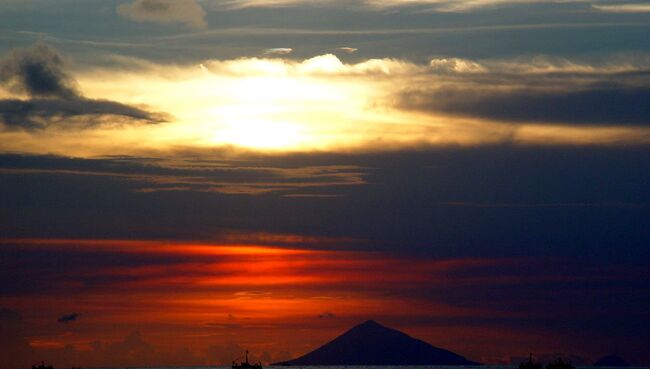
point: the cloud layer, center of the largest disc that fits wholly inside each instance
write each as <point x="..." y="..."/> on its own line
<point x="209" y="176"/>
<point x="437" y="5"/>
<point x="542" y="91"/>
<point x="279" y="104"/>
<point x="197" y="295"/>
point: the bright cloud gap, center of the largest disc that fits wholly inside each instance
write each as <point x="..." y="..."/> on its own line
<point x="274" y="104"/>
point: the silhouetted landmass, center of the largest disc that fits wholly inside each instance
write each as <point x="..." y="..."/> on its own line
<point x="371" y="343"/>
<point x="611" y="360"/>
<point x="530" y="364"/>
<point x="42" y="366"/>
<point x="560" y="363"/>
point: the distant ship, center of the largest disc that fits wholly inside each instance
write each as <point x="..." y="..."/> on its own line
<point x="530" y="364"/>
<point x="245" y="364"/>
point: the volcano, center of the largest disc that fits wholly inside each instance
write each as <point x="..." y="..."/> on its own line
<point x="370" y="343"/>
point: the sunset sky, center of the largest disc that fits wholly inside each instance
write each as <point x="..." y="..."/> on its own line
<point x="183" y="180"/>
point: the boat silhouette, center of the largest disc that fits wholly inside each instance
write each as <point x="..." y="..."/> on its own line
<point x="245" y="364"/>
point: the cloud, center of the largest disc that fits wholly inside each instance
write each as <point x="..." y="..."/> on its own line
<point x="383" y="104"/>
<point x="594" y="105"/>
<point x="278" y="51"/>
<point x="486" y="205"/>
<point x="320" y="65"/>
<point x="348" y="50"/>
<point x="493" y="191"/>
<point x="37" y="71"/>
<point x="49" y="94"/>
<point x="452" y="5"/>
<point x="193" y="175"/>
<point x="455" y="65"/>
<point x="623" y="8"/>
<point x="537" y="91"/>
<point x="65" y="319"/>
<point x="188" y="12"/>
<point x="39" y="113"/>
<point x="565" y="293"/>
<point x="433" y="5"/>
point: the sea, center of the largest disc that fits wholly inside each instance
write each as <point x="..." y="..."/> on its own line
<point x="381" y="367"/>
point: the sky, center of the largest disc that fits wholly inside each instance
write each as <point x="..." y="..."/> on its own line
<point x="184" y="180"/>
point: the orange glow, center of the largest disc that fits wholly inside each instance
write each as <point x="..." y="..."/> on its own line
<point x="181" y="294"/>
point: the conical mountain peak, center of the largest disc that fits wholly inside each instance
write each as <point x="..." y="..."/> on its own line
<point x="611" y="361"/>
<point x="369" y="324"/>
<point x="371" y="343"/>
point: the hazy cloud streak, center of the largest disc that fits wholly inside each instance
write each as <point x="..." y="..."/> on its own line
<point x="623" y="8"/>
<point x="188" y="12"/>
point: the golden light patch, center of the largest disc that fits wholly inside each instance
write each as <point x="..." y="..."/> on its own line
<point x="319" y="104"/>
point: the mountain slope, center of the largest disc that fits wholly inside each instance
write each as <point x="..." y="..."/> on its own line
<point x="370" y="343"/>
<point x="611" y="361"/>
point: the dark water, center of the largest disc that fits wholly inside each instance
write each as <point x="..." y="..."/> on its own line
<point x="385" y="367"/>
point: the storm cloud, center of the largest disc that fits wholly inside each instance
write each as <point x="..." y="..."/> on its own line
<point x="49" y="94"/>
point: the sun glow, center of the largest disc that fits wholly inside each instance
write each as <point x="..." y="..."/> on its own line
<point x="279" y="111"/>
<point x="260" y="135"/>
<point x="282" y="105"/>
<point x="253" y="104"/>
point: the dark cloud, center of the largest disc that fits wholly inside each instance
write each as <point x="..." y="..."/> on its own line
<point x="65" y="319"/>
<point x="39" y="113"/>
<point x="589" y="202"/>
<point x="188" y="12"/>
<point x="39" y="73"/>
<point x="150" y="175"/>
<point x="589" y="105"/>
